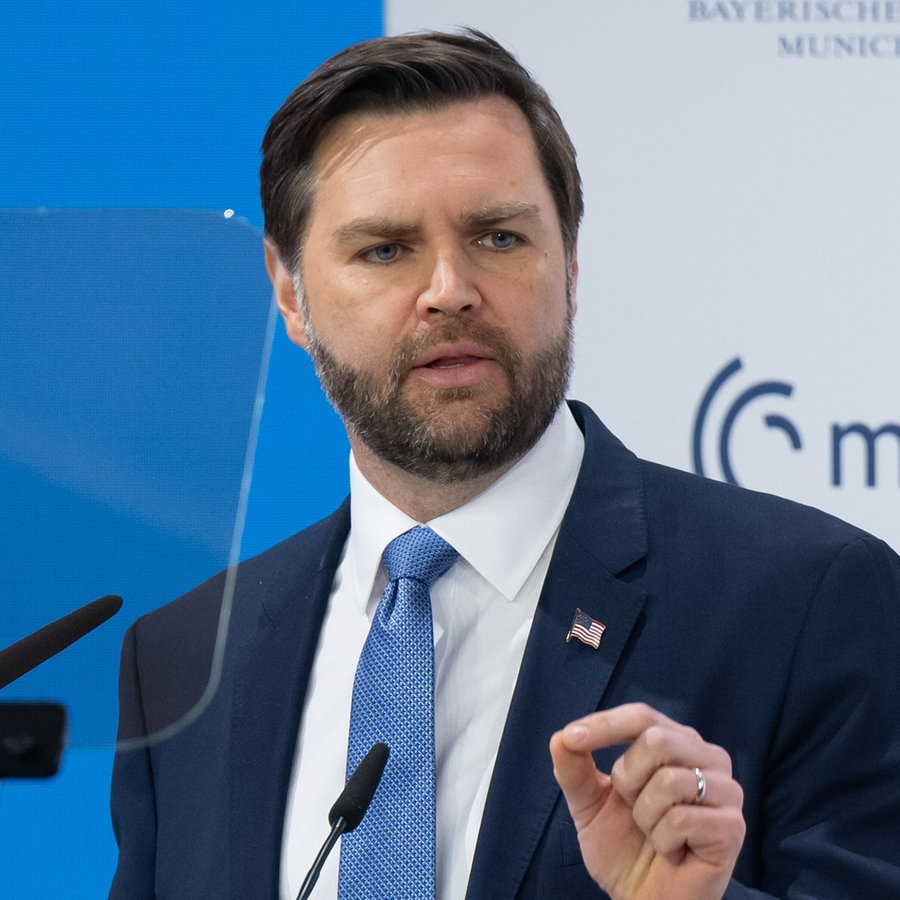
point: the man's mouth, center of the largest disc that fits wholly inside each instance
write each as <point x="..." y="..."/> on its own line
<point x="454" y="365"/>
<point x="453" y="362"/>
<point x="449" y="354"/>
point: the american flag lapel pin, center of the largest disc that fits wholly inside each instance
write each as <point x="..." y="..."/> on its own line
<point x="585" y="629"/>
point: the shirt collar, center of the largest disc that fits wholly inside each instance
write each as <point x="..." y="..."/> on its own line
<point x="501" y="533"/>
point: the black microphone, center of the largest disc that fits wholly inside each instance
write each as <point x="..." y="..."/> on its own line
<point x="349" y="808"/>
<point x="31" y="651"/>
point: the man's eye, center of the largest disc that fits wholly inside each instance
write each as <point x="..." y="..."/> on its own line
<point x="500" y="240"/>
<point x="383" y="253"/>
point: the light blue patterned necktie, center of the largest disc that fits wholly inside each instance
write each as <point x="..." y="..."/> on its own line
<point x="391" y="854"/>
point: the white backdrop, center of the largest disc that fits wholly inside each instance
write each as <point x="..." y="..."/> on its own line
<point x="739" y="165"/>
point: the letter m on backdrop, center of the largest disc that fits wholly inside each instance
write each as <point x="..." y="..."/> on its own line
<point x="869" y="438"/>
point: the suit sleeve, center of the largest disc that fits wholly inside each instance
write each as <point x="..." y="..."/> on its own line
<point x="830" y="810"/>
<point x="132" y="796"/>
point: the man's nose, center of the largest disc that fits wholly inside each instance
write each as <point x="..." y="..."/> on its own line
<point x="452" y="287"/>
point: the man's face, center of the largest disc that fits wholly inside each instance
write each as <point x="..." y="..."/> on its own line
<point x="435" y="284"/>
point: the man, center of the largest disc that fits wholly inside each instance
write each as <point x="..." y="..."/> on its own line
<point x="724" y="722"/>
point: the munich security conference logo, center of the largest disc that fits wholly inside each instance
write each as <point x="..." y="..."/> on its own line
<point x="853" y="449"/>
<point x="733" y="413"/>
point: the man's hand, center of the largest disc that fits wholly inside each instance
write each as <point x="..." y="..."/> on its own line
<point x="666" y="822"/>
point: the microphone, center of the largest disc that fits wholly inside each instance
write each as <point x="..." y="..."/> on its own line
<point x="31" y="651"/>
<point x="349" y="808"/>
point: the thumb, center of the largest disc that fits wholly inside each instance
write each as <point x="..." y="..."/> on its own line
<point x="584" y="786"/>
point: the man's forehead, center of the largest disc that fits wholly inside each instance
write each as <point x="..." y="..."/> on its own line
<point x="476" y="159"/>
<point x="351" y="131"/>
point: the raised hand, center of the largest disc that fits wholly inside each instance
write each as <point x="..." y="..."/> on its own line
<point x="666" y="822"/>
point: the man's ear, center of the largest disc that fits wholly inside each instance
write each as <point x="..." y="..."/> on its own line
<point x="285" y="295"/>
<point x="573" y="276"/>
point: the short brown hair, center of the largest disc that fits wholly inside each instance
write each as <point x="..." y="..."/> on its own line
<point x="400" y="75"/>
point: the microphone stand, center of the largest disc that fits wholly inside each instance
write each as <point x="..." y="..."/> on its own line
<point x="338" y="827"/>
<point x="349" y="808"/>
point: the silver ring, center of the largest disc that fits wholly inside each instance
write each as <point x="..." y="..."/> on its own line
<point x="701" y="786"/>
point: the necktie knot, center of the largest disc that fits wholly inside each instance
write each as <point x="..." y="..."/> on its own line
<point x="419" y="554"/>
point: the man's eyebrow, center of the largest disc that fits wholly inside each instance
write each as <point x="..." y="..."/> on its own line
<point x="379" y="228"/>
<point x="498" y="213"/>
<point x="384" y="229"/>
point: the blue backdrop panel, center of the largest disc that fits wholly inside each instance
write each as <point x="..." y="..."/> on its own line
<point x="112" y="105"/>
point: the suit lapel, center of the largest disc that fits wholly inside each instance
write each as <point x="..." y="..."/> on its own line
<point x="272" y="643"/>
<point x="602" y="535"/>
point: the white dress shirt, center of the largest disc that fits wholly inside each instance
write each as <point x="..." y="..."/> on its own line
<point x="482" y="610"/>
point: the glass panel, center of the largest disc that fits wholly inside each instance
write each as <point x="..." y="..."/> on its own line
<point x="134" y="341"/>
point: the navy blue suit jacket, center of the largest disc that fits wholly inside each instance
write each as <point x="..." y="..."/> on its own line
<point x="771" y="628"/>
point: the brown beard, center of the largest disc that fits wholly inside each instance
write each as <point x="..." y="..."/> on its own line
<point x="432" y="440"/>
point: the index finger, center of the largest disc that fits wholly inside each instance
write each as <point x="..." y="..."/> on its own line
<point x="610" y="727"/>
